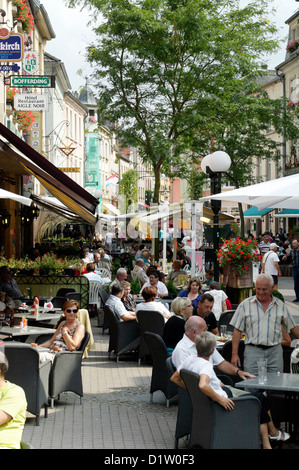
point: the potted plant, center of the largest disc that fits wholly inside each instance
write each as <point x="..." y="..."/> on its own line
<point x="292" y="46"/>
<point x="238" y="255"/>
<point x="172" y="290"/>
<point x="23" y="15"/>
<point x="135" y="287"/>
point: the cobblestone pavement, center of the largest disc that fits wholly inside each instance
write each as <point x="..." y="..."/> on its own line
<point x="116" y="412"/>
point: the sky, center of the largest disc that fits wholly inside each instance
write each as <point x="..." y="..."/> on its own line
<point x="73" y="36"/>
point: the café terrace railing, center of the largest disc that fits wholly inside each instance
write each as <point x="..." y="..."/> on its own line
<point x="43" y="286"/>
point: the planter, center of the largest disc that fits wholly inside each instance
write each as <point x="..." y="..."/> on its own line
<point x="240" y="281"/>
<point x="237" y="295"/>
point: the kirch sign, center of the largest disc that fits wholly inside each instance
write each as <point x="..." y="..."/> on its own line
<point x="12" y="48"/>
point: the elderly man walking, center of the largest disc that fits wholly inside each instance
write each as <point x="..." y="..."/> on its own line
<point x="270" y="264"/>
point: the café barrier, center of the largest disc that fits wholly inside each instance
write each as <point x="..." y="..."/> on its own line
<point x="44" y="286"/>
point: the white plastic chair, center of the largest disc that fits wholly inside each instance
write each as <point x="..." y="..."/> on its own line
<point x="104" y="273"/>
<point x="94" y="288"/>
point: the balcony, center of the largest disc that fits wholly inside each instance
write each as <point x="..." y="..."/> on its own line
<point x="291" y="166"/>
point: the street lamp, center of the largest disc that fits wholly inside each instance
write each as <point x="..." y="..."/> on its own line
<point x="214" y="165"/>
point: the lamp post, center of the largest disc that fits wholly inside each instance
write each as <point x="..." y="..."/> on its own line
<point x="214" y="165"/>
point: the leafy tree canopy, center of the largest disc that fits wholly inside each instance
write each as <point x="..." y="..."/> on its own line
<point x="177" y="77"/>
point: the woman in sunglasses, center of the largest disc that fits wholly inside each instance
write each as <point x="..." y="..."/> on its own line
<point x="68" y="335"/>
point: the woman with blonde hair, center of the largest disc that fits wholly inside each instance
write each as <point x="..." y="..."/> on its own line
<point x="174" y="329"/>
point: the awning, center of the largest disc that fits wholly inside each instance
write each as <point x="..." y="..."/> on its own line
<point x="67" y="191"/>
<point x="254" y="213"/>
<point x="15" y="197"/>
<point x="53" y="204"/>
<point x="110" y="208"/>
<point x="288" y="213"/>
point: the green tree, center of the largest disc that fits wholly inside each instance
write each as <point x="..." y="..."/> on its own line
<point x="245" y="134"/>
<point x="128" y="188"/>
<point x="163" y="67"/>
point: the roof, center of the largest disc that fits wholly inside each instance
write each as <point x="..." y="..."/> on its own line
<point x="87" y="96"/>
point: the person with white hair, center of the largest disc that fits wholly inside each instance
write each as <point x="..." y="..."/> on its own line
<point x="270" y="264"/>
<point x="121" y="276"/>
<point x="139" y="273"/>
<point x="262" y="317"/>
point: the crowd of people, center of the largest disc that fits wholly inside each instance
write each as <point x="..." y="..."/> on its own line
<point x="191" y="324"/>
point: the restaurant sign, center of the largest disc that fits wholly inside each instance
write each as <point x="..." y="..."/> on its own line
<point x="34" y="81"/>
<point x="11" y="48"/>
<point x="30" y="102"/>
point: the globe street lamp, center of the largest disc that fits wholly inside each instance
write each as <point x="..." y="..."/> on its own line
<point x="214" y="165"/>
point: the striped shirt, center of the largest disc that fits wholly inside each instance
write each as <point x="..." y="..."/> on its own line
<point x="262" y="327"/>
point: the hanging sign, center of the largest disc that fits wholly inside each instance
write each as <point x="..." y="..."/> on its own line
<point x="30" y="102"/>
<point x="30" y="62"/>
<point x="12" y="48"/>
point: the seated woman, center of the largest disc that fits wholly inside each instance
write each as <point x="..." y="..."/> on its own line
<point x="211" y="386"/>
<point x="128" y="299"/>
<point x="149" y="294"/>
<point x="175" y="327"/>
<point x="193" y="292"/>
<point x="68" y="336"/>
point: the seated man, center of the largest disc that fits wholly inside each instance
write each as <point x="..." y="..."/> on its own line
<point x="116" y="305"/>
<point x="91" y="274"/>
<point x="204" y="310"/>
<point x="139" y="273"/>
<point x="9" y="285"/>
<point x="121" y="276"/>
<point x="175" y="272"/>
<point x="13" y="406"/>
<point x="153" y="280"/>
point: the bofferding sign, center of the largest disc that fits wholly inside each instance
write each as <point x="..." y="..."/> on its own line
<point x="30" y="102"/>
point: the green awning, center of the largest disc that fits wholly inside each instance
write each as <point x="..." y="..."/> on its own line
<point x="288" y="213"/>
<point x="254" y="213"/>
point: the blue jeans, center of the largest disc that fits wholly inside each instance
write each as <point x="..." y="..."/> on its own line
<point x="296" y="281"/>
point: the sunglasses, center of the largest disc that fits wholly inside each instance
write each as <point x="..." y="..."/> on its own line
<point x="69" y="310"/>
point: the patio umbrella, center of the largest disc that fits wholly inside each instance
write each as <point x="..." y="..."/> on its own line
<point x="281" y="193"/>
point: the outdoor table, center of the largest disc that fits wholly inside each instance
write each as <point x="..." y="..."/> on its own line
<point x="43" y="319"/>
<point x="30" y="333"/>
<point x="166" y="302"/>
<point x="280" y="382"/>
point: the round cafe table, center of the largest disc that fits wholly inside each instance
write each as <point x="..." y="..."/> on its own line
<point x="27" y="335"/>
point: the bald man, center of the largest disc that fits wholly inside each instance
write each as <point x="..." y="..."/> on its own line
<point x="186" y="347"/>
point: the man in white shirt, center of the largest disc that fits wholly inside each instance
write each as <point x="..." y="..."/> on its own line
<point x="116" y="305"/>
<point x="153" y="280"/>
<point x="91" y="275"/>
<point x="270" y="264"/>
<point x="186" y="347"/>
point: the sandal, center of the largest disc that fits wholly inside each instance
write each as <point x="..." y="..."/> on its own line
<point x="286" y="436"/>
